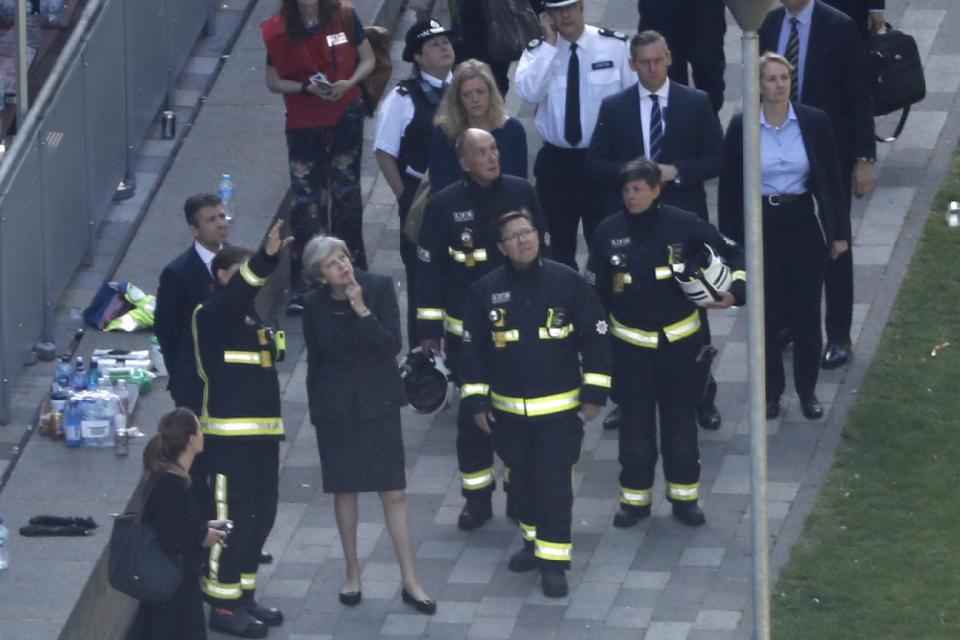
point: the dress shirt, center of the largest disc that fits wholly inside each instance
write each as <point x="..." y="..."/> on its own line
<point x="646" y="105"/>
<point x="396" y="112"/>
<point x="804" y="19"/>
<point x="784" y="166"/>
<point x="205" y="254"/>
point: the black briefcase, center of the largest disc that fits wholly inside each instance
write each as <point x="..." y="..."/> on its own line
<point x="896" y="75"/>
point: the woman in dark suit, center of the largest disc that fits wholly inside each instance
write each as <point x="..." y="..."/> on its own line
<point x="803" y="224"/>
<point x="351" y="327"/>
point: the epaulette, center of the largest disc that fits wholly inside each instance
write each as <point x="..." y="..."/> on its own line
<point x="607" y="33"/>
<point x="533" y="44"/>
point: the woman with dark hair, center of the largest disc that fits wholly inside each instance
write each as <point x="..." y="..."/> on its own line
<point x="317" y="55"/>
<point x="473" y="102"/>
<point x="171" y="512"/>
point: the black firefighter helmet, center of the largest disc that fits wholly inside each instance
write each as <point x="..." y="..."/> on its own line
<point x="427" y="382"/>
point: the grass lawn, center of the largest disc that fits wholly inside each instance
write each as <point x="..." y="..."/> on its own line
<point x="880" y="554"/>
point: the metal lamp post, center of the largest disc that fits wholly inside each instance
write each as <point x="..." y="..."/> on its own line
<point x="749" y="15"/>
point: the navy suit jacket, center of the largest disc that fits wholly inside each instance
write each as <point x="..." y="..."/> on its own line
<point x="834" y="78"/>
<point x="693" y="141"/>
<point x="184" y="283"/>
<point x="825" y="183"/>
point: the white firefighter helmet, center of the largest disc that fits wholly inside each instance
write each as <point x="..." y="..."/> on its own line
<point x="703" y="278"/>
<point x="427" y="382"/>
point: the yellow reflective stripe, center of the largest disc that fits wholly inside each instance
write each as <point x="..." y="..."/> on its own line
<point x="242" y="427"/>
<point x="627" y="278"/>
<point x="452" y="325"/>
<point x="635" y="497"/>
<point x="252" y="279"/>
<point x="242" y="357"/>
<point x="248" y="581"/>
<point x="424" y="313"/>
<point x="220" y="496"/>
<point x="686" y="327"/>
<point x="222" y="591"/>
<point x="597" y="380"/>
<point x="510" y="335"/>
<point x="480" y="255"/>
<point x="740" y="274"/>
<point x="663" y="273"/>
<point x="527" y="531"/>
<point x="477" y="480"/>
<point x="556" y="333"/>
<point x="537" y="406"/>
<point x="683" y="491"/>
<point x="553" y="550"/>
<point x="475" y="389"/>
<point x="506" y="476"/>
<point x="199" y="359"/>
<point x="637" y="337"/>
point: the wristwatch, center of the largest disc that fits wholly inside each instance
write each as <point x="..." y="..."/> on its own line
<point x="304" y="88"/>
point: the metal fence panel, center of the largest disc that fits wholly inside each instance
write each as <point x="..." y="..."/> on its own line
<point x="67" y="222"/>
<point x="105" y="107"/>
<point x="184" y="21"/>
<point x="147" y="66"/>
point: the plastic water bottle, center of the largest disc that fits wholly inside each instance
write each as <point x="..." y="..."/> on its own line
<point x="226" y="192"/>
<point x="64" y="372"/>
<point x="52" y="12"/>
<point x="72" y="433"/>
<point x="93" y="377"/>
<point x="79" y="376"/>
<point x="4" y="549"/>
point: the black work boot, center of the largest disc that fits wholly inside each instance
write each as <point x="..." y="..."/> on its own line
<point x="708" y="417"/>
<point x="689" y="513"/>
<point x="270" y="616"/>
<point x="629" y="515"/>
<point x="553" y="582"/>
<point x="475" y="512"/>
<point x="235" y="621"/>
<point x="523" y="560"/>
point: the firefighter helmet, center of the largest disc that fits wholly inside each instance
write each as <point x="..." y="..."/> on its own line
<point x="704" y="277"/>
<point x="427" y="382"/>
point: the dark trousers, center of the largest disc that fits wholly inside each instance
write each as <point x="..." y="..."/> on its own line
<point x="541" y="456"/>
<point x="694" y="30"/>
<point x="839" y="276"/>
<point x="325" y="181"/>
<point x="794" y="260"/>
<point x="408" y="254"/>
<point x="474" y="447"/>
<point x="567" y="196"/>
<point x="244" y="480"/>
<point x="668" y="382"/>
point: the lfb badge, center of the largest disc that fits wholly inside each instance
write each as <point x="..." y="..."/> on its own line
<point x="619" y="262"/>
<point x="675" y="254"/>
<point x="466" y="239"/>
<point x="556" y="319"/>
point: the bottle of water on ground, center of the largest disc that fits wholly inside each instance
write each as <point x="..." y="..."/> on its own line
<point x="226" y="193"/>
<point x="79" y="376"/>
<point x="4" y="548"/>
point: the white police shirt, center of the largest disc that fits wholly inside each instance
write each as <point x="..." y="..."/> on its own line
<point x="541" y="78"/>
<point x="396" y="112"/>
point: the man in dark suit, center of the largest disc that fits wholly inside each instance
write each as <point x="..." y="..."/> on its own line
<point x="824" y="45"/>
<point x="868" y="15"/>
<point x="185" y="283"/>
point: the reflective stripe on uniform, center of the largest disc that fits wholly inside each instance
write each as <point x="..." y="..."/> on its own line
<point x="553" y="550"/>
<point x="220" y="496"/>
<point x="222" y="591"/>
<point x="452" y="325"/>
<point x="429" y="314"/>
<point x="683" y="491"/>
<point x="627" y="278"/>
<point x="477" y="389"/>
<point x="635" y="497"/>
<point x="480" y="255"/>
<point x="537" y="406"/>
<point x="740" y="274"/>
<point x="506" y="476"/>
<point x="242" y="426"/>
<point x="478" y="480"/>
<point x="597" y="380"/>
<point x="637" y="337"/>
<point x="527" y="531"/>
<point x="557" y="333"/>
<point x="663" y="273"/>
<point x="510" y="335"/>
<point x="248" y="581"/>
<point x="252" y="279"/>
<point x="685" y="328"/>
<point x="242" y="357"/>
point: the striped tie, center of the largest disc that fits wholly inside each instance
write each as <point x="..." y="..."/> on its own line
<point x="793" y="57"/>
<point x="656" y="128"/>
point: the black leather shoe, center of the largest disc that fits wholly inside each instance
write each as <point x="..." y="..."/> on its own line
<point x="523" y="560"/>
<point x="708" y="417"/>
<point x="811" y="408"/>
<point x="612" y="421"/>
<point x="477" y="511"/>
<point x="773" y="408"/>
<point x="270" y="616"/>
<point x="835" y="355"/>
<point x="266" y="558"/>
<point x="689" y="513"/>
<point x="554" y="583"/>
<point x="236" y="622"/>
<point x="351" y="599"/>
<point x="425" y="606"/>
<point x="629" y="515"/>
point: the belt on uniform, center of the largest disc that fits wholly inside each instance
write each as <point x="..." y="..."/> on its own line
<point x="778" y="199"/>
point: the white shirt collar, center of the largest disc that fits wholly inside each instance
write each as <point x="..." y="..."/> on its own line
<point x="581" y="41"/>
<point x="436" y="82"/>
<point x="663" y="92"/>
<point x="805" y="15"/>
<point x="205" y="254"/>
<point x="791" y="116"/>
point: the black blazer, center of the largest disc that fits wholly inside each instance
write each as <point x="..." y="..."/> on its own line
<point x="184" y="283"/>
<point x="356" y="377"/>
<point x="834" y="78"/>
<point x="824" y="182"/>
<point x="693" y="141"/>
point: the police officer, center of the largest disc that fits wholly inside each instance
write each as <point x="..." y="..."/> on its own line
<point x="240" y="417"/>
<point x="658" y="344"/>
<point x="406" y="128"/>
<point x="526" y="327"/>
<point x="567" y="74"/>
<point x="458" y="245"/>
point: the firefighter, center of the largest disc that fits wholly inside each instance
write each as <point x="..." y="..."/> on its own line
<point x="240" y="416"/>
<point x="660" y="353"/>
<point x="526" y="327"/>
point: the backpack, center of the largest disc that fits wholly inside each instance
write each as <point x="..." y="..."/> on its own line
<point x="511" y="24"/>
<point x="374" y="85"/>
<point x="896" y="75"/>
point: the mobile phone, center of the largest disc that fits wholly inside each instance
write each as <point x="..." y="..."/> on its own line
<point x="320" y="79"/>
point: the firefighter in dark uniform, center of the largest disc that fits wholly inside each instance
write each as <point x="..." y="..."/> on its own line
<point x="458" y="245"/>
<point x="240" y="417"/>
<point x="527" y="326"/>
<point x="660" y="353"/>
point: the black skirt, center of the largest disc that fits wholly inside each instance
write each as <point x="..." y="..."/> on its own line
<point x="181" y="618"/>
<point x="363" y="455"/>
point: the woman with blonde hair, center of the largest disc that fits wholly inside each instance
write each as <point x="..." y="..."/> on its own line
<point x="473" y="102"/>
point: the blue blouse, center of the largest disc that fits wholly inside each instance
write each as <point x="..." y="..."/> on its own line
<point x="511" y="142"/>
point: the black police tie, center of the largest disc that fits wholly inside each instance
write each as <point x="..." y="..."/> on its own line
<point x="793" y="57"/>
<point x="571" y="120"/>
<point x="656" y="128"/>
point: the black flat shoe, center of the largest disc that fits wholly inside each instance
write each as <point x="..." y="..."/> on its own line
<point x="427" y="606"/>
<point x="475" y="512"/>
<point x="270" y="616"/>
<point x="811" y="408"/>
<point x="628" y="515"/>
<point x="835" y="355"/>
<point x="773" y="409"/>
<point x="612" y="421"/>
<point x="689" y="513"/>
<point x="351" y="599"/>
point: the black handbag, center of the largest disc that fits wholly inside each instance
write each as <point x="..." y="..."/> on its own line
<point x="896" y="75"/>
<point x="511" y="24"/>
<point x="137" y="565"/>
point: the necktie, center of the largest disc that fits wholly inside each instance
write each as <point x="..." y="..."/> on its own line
<point x="571" y="119"/>
<point x="656" y="128"/>
<point x="793" y="57"/>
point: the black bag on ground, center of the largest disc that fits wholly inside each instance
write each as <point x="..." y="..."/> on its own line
<point x="137" y="565"/>
<point x="511" y="24"/>
<point x="896" y="74"/>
